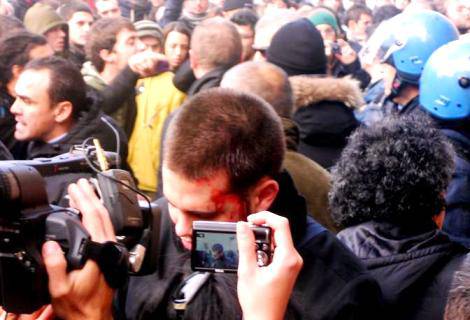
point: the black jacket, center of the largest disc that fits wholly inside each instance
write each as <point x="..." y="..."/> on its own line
<point x="91" y="123"/>
<point x="324" y="113"/>
<point x="331" y="285"/>
<point x="414" y="267"/>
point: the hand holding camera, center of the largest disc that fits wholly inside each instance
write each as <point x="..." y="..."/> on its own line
<point x="84" y="293"/>
<point x="272" y="284"/>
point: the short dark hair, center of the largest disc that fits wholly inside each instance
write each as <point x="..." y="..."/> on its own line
<point x="177" y="26"/>
<point x="384" y="12"/>
<point x="102" y="36"/>
<point x="220" y="129"/>
<point x="14" y="50"/>
<point x="217" y="43"/>
<point x="245" y="17"/>
<point x="65" y="82"/>
<point x="395" y="170"/>
<point x="354" y="13"/>
<point x="67" y="10"/>
<point x="9" y="24"/>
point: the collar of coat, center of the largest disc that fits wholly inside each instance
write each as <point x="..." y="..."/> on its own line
<point x="309" y="90"/>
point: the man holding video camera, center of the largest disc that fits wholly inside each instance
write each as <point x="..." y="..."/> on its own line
<point x="222" y="161"/>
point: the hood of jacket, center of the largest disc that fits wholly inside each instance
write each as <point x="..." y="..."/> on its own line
<point x="92" y="77"/>
<point x="310" y="90"/>
<point x="402" y="260"/>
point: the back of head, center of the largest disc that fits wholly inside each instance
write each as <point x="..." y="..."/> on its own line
<point x="265" y="80"/>
<point x="66" y="81"/>
<point x="220" y="129"/>
<point x="216" y="43"/>
<point x="444" y="89"/>
<point x="67" y="10"/>
<point x="9" y="24"/>
<point x="395" y="171"/>
<point x="14" y="50"/>
<point x="102" y="36"/>
<point x="298" y="48"/>
<point x="41" y="18"/>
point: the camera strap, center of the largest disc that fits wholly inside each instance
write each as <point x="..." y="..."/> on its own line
<point x="112" y="259"/>
<point x="187" y="290"/>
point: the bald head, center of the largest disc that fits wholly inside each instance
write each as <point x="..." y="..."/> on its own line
<point x="264" y="80"/>
<point x="216" y="43"/>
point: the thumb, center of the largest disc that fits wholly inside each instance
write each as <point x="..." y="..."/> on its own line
<point x="56" y="267"/>
<point x="246" y="248"/>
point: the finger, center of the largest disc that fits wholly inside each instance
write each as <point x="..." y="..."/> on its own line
<point x="47" y="313"/>
<point x="246" y="249"/>
<point x="56" y="267"/>
<point x="280" y="226"/>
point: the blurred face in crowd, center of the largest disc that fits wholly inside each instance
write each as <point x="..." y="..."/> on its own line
<point x="34" y="114"/>
<point x="247" y="35"/>
<point x="176" y="48"/>
<point x="56" y="38"/>
<point x="327" y="32"/>
<point x="79" y="27"/>
<point x="127" y="44"/>
<point x="333" y="4"/>
<point x="459" y="12"/>
<point x="108" y="9"/>
<point x="202" y="199"/>
<point x="151" y="44"/>
<point x="196" y="6"/>
<point x="358" y="28"/>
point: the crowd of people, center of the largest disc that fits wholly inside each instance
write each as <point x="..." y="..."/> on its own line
<point x="344" y="125"/>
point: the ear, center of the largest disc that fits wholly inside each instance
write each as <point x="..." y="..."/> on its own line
<point x="352" y="24"/>
<point x="63" y="111"/>
<point x="16" y="70"/>
<point x="193" y="61"/>
<point x="263" y="194"/>
<point x="107" y="56"/>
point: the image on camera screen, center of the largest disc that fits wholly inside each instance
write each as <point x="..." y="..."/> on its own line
<point x="215" y="251"/>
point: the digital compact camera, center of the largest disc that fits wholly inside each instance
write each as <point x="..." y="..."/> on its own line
<point x="215" y="246"/>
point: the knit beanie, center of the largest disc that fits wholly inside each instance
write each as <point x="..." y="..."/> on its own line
<point x="236" y="4"/>
<point x="41" y="18"/>
<point x="149" y="28"/>
<point x="298" y="48"/>
<point x="323" y="16"/>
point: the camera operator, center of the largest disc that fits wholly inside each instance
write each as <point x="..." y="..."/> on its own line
<point x="84" y="294"/>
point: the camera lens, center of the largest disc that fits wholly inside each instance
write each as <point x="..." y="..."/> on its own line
<point x="9" y="190"/>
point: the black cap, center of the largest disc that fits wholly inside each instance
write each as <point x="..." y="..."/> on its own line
<point x="298" y="48"/>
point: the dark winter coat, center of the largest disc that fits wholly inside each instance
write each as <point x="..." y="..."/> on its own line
<point x="331" y="285"/>
<point x="324" y="113"/>
<point x="414" y="267"/>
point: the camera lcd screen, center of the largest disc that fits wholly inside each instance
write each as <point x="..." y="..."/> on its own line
<point x="214" y="251"/>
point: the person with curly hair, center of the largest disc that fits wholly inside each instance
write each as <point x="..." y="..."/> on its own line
<point x="388" y="191"/>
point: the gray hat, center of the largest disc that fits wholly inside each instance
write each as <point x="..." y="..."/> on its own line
<point x="147" y="28"/>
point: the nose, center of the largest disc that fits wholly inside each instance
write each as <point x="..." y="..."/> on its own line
<point x="15" y="108"/>
<point x="140" y="46"/>
<point x="183" y="225"/>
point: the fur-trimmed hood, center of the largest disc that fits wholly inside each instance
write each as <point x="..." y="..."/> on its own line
<point x="309" y="90"/>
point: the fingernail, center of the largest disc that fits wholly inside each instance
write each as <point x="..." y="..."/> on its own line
<point x="50" y="248"/>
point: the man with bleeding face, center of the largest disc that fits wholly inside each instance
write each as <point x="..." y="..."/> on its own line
<point x="222" y="161"/>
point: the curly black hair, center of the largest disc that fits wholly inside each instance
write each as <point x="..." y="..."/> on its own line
<point x="396" y="170"/>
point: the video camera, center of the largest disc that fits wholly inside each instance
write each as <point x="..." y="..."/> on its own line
<point x="28" y="220"/>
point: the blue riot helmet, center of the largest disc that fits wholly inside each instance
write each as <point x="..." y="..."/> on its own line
<point x="407" y="40"/>
<point x="445" y="83"/>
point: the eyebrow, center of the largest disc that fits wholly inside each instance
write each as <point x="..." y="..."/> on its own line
<point x="193" y="212"/>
